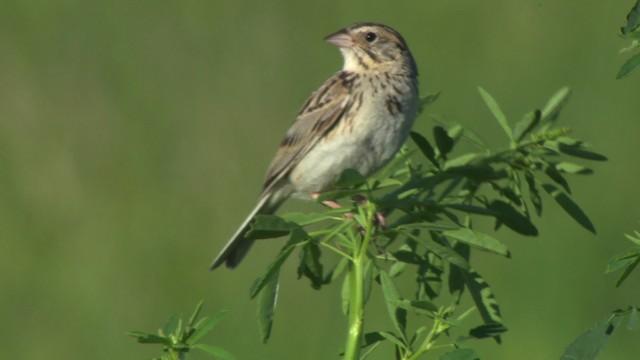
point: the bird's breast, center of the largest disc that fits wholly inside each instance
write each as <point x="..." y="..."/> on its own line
<point x="377" y="118"/>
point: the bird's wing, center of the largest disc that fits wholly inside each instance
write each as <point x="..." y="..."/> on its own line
<point x="321" y="113"/>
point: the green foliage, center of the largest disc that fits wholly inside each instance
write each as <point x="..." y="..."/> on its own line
<point x="588" y="345"/>
<point x="627" y="261"/>
<point x="418" y="213"/>
<point x="177" y="340"/>
<point x="631" y="31"/>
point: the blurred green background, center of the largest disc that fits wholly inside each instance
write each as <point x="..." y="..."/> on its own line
<point x="134" y="137"/>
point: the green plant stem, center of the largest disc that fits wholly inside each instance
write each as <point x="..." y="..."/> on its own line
<point x="430" y="341"/>
<point x="356" y="276"/>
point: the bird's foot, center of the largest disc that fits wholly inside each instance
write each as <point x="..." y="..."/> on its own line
<point x="361" y="200"/>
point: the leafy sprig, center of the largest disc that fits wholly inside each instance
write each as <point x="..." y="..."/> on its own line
<point x="179" y="338"/>
<point x="627" y="261"/>
<point x="631" y="31"/>
<point x="416" y="218"/>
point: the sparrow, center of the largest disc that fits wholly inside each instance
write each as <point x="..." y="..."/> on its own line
<point x="358" y="119"/>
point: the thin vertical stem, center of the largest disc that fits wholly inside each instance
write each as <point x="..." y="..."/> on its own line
<point x="356" y="276"/>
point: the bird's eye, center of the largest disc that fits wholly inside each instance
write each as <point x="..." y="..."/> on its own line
<point x="370" y="36"/>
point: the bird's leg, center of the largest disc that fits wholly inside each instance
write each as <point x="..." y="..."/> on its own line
<point x="328" y="203"/>
<point x="357" y="198"/>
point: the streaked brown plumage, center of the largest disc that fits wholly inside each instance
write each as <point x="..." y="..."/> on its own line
<point x="357" y="119"/>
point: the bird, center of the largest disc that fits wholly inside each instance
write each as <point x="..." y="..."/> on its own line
<point x="358" y="119"/>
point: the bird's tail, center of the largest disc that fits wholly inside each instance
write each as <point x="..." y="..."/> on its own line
<point x="238" y="246"/>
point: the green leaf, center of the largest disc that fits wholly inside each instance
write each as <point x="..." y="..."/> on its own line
<point x="430" y="225"/>
<point x="456" y="276"/>
<point x="204" y="326"/>
<point x="628" y="66"/>
<point x="429" y="99"/>
<point x="267" y="306"/>
<point x="392" y="297"/>
<point x="397" y="268"/>
<point x="350" y="177"/>
<point x="634" y="319"/>
<point x="425" y="147"/>
<point x="215" y="352"/>
<point x="423" y="307"/>
<point x="534" y="194"/>
<point x="372" y="338"/>
<point x="429" y="276"/>
<point x="555" y="175"/>
<point x="461" y="160"/>
<point x="461" y="354"/>
<point x="395" y="165"/>
<point x="496" y="111"/>
<point x="478" y="240"/>
<point x="633" y="20"/>
<point x="146" y="338"/>
<point x="620" y="262"/>
<point x="508" y="193"/>
<point x="337" y="270"/>
<point x="310" y="265"/>
<point x="443" y="141"/>
<point x="487" y="330"/>
<point x="555" y="104"/>
<point x="467" y="133"/>
<point x="528" y="123"/>
<point x="267" y="227"/>
<point x="171" y="325"/>
<point x="394" y="339"/>
<point x="484" y="299"/>
<point x="580" y="152"/>
<point x="635" y="240"/>
<point x="513" y="219"/>
<point x="627" y="261"/>
<point x="407" y="257"/>
<point x="455" y="132"/>
<point x="471" y="209"/>
<point x="388" y="182"/>
<point x="195" y="314"/>
<point x="475" y="138"/>
<point x="569" y="206"/>
<point x="572" y="168"/>
<point x="588" y="345"/>
<point x="442" y="252"/>
<point x="274" y="268"/>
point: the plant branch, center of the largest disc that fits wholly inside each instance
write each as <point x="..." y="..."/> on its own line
<point x="356" y="277"/>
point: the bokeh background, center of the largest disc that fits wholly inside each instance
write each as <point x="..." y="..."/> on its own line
<point x="134" y="137"/>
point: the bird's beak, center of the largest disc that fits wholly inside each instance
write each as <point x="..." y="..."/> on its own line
<point x="340" y="39"/>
